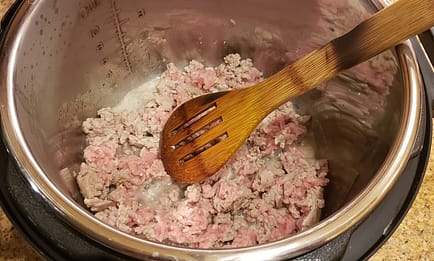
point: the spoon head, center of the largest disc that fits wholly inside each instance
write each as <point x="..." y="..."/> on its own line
<point x="200" y="137"/>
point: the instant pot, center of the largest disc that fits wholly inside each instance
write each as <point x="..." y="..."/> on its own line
<point x="62" y="60"/>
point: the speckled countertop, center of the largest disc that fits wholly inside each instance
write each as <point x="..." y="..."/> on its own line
<point x="413" y="240"/>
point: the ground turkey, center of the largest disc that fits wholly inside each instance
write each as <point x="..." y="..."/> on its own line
<point x="271" y="188"/>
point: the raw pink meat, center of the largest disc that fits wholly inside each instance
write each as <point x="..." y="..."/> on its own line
<point x="266" y="192"/>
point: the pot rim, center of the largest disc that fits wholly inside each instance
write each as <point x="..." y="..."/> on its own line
<point x="324" y="231"/>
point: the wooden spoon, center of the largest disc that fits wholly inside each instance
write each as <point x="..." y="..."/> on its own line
<point x="202" y="134"/>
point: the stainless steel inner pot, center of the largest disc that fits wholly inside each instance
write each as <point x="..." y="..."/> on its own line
<point x="63" y="60"/>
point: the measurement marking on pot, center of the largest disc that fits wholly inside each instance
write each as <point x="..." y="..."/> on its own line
<point x="94" y="31"/>
<point x="100" y="46"/>
<point x="121" y="35"/>
<point x="141" y="12"/>
<point x="90" y="7"/>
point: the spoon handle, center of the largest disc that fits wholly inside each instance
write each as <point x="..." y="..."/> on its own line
<point x="383" y="30"/>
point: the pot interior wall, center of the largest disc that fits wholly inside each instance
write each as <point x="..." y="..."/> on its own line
<point x="78" y="56"/>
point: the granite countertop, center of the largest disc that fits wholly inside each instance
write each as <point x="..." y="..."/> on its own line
<point x="413" y="240"/>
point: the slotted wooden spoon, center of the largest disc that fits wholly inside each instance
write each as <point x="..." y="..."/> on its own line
<point x="202" y="134"/>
